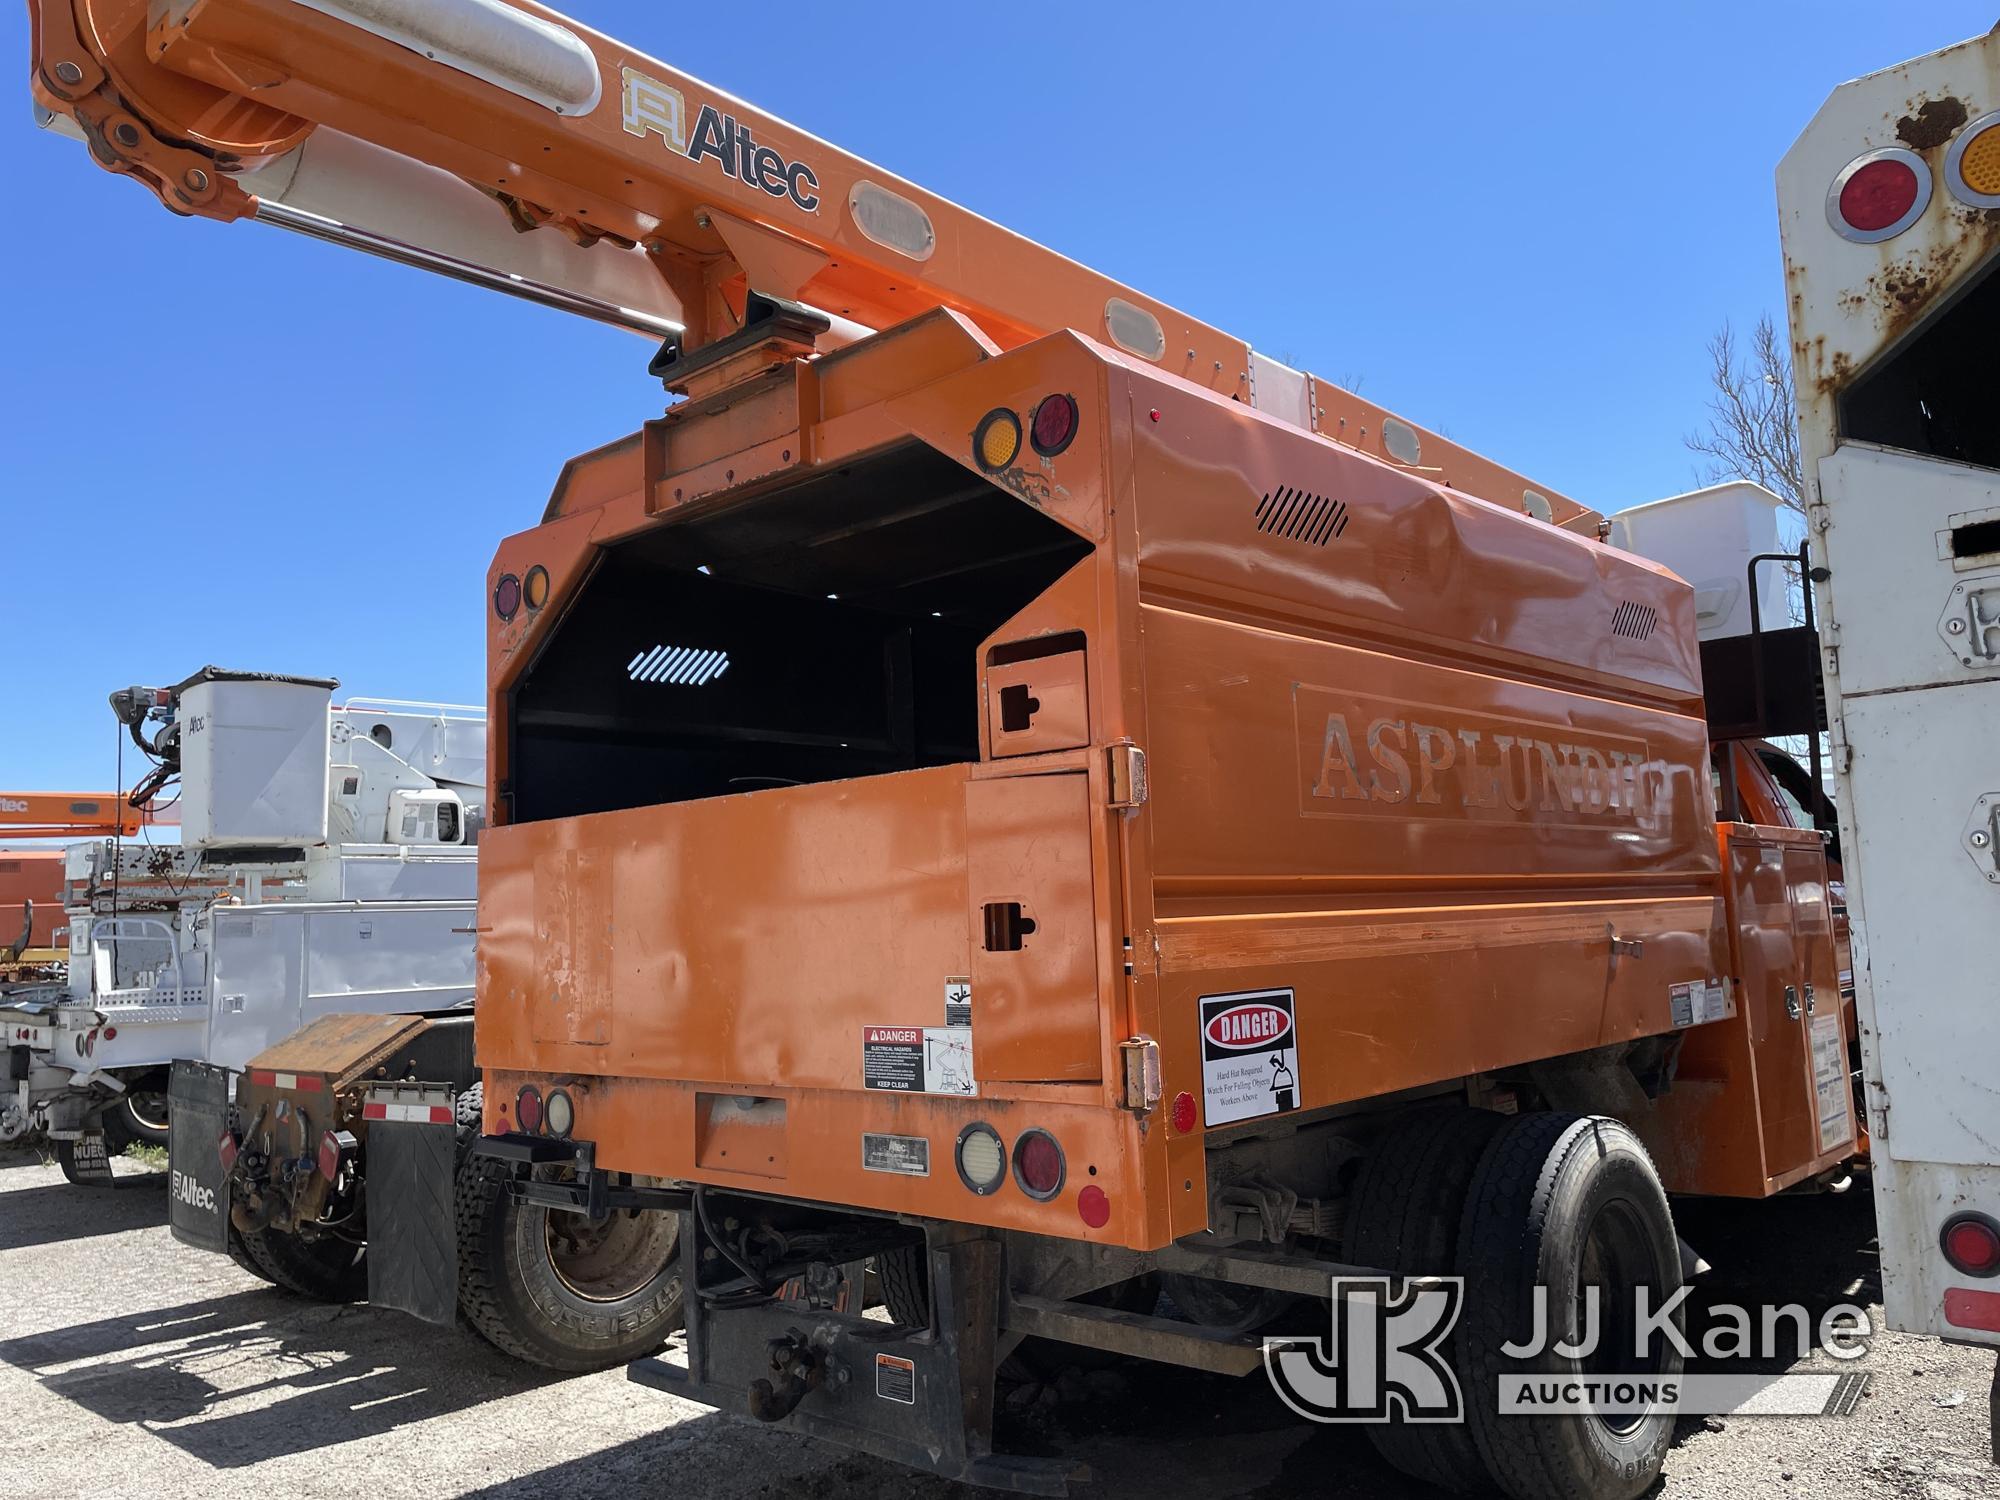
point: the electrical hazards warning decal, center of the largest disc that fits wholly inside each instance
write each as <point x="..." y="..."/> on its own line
<point x="1249" y="1055"/>
<point x="918" y="1059"/>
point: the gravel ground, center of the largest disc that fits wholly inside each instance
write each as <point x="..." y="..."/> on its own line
<point x="130" y="1365"/>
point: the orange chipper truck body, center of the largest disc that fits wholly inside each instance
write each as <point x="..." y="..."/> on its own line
<point x="841" y="699"/>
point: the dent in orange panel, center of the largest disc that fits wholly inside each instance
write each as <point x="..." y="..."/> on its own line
<point x="1034" y="962"/>
<point x="571" y="1000"/>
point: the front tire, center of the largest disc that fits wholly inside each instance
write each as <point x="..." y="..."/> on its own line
<point x="556" y="1290"/>
<point x="1566" y="1202"/>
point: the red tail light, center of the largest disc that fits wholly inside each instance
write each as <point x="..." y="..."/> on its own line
<point x="1971" y="1242"/>
<point x="225" y="1150"/>
<point x="1054" y="425"/>
<point x="329" y="1156"/>
<point x="528" y="1109"/>
<point x="1038" y="1164"/>
<point x="1878" y="195"/>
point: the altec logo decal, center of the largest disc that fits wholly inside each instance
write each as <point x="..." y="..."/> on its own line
<point x="655" y="108"/>
<point x="12" y="805"/>
<point x="192" y="1193"/>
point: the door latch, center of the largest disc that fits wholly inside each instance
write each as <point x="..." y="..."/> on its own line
<point x="1792" y="1002"/>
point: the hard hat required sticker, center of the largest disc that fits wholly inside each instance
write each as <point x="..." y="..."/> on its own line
<point x="1249" y="1055"/>
<point x="918" y="1060"/>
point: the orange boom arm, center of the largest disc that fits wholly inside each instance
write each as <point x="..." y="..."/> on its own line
<point x="433" y="130"/>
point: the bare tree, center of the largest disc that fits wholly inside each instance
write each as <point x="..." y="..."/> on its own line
<point x="1752" y="417"/>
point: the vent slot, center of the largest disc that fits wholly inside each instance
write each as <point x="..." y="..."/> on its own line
<point x="1300" y="516"/>
<point x="1634" y="621"/>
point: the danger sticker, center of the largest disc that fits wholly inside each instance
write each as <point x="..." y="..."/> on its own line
<point x="896" y="1378"/>
<point x="918" y="1059"/>
<point x="1249" y="1055"/>
<point x="1699" y="1001"/>
<point x="902" y="1155"/>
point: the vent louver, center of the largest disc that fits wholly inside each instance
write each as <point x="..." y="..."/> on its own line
<point x="1634" y="621"/>
<point x="1300" y="516"/>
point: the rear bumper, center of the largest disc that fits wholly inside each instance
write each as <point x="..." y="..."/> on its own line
<point x="918" y="1397"/>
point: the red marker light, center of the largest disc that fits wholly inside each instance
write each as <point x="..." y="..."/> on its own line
<point x="1878" y="195"/>
<point x="1184" y="1115"/>
<point x="1054" y="425"/>
<point x="1154" y="414"/>
<point x="1971" y="1242"/>
<point x="1093" y="1207"/>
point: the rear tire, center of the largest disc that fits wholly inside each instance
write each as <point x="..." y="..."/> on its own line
<point x="555" y="1290"/>
<point x="1566" y="1202"/>
<point x="240" y="1253"/>
<point x="325" y="1269"/>
<point x="1408" y="1202"/>
<point x="906" y="1285"/>
<point x="139" y="1117"/>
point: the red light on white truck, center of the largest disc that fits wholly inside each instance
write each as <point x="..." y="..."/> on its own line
<point x="1878" y="195"/>
<point x="1971" y="1242"/>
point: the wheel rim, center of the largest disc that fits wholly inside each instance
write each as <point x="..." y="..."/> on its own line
<point x="609" y="1261"/>
<point x="148" y="1109"/>
<point x="1617" y="1260"/>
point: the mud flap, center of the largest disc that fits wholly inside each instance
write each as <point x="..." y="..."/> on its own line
<point x="412" y="1171"/>
<point x="197" y="1182"/>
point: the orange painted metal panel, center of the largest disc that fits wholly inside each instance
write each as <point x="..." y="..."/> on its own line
<point x="1035" y="1005"/>
<point x="1037" y="705"/>
<point x="1744" y="1117"/>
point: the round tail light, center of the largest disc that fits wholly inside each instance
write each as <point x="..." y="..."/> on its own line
<point x="1053" y="426"/>
<point x="1971" y="1242"/>
<point x="1038" y="1164"/>
<point x="1878" y="195"/>
<point x="507" y="596"/>
<point x="982" y="1158"/>
<point x="561" y="1113"/>
<point x="528" y="1108"/>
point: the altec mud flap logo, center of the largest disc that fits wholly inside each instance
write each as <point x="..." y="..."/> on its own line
<point x="186" y="1190"/>
<point x="651" y="107"/>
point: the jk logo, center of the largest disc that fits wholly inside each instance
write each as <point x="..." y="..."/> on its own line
<point x="1382" y="1358"/>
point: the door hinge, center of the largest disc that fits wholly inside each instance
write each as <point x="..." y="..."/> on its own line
<point x="1140" y="1056"/>
<point x="1128" y="775"/>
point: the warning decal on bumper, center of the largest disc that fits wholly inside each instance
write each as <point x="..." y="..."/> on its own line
<point x="918" y="1059"/>
<point x="896" y="1378"/>
<point x="1249" y="1055"/>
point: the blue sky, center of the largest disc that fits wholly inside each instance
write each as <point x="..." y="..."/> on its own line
<point x="1517" y="224"/>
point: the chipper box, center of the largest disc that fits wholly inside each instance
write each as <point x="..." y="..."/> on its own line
<point x="1006" y="783"/>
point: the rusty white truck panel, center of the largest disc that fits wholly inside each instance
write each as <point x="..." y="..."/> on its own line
<point x="1902" y="491"/>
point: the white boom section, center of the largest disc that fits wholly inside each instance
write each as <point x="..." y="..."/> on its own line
<point x="1887" y="283"/>
<point x="331" y="867"/>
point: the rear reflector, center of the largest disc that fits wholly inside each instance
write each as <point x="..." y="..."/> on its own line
<point x="1965" y="1308"/>
<point x="1972" y="164"/>
<point x="305" y="1083"/>
<point x="414" y="1114"/>
<point x="1093" y="1207"/>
